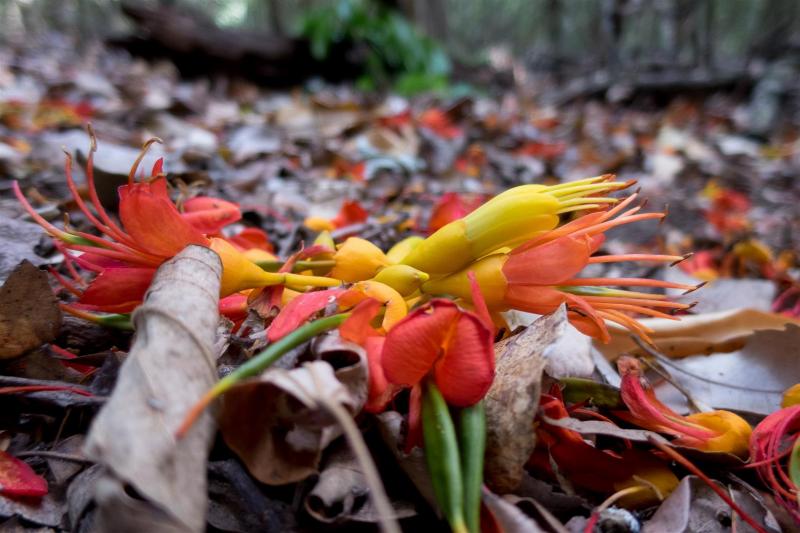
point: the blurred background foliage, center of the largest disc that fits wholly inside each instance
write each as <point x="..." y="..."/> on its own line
<point x="603" y="37"/>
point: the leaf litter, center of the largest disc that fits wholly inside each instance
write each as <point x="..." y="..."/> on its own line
<point x="293" y="164"/>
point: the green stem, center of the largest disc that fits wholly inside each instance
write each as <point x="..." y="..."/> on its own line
<point x="442" y="457"/>
<point x="299" y="266"/>
<point x="472" y="437"/>
<point x="259" y="363"/>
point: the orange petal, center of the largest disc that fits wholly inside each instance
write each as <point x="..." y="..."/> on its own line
<point x="532" y="299"/>
<point x="466" y="371"/>
<point x="153" y="222"/>
<point x="550" y="263"/>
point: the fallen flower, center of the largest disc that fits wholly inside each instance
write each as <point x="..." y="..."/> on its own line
<point x="452" y="344"/>
<point x="152" y="230"/>
<point x="713" y="431"/>
<point x="507" y="220"/>
<point x="541" y="274"/>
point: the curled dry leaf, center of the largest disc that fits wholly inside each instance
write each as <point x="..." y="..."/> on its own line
<point x="349" y="362"/>
<point x="277" y="424"/>
<point x="170" y="366"/>
<point x="725" y="331"/>
<point x="513" y="400"/>
<point x="340" y="494"/>
<point x="693" y="506"/>
<point x="29" y="312"/>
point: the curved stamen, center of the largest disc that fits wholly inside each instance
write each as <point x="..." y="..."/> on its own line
<point x="39" y="219"/>
<point x="116" y="232"/>
<point x="637" y="309"/>
<point x="635" y="257"/>
<point x="145" y="148"/>
<point x="628" y="282"/>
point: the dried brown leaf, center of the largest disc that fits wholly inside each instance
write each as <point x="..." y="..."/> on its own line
<point x="724" y="331"/>
<point x="29" y="312"/>
<point x="513" y="400"/>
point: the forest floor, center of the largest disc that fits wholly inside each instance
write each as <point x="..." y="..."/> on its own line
<point x="383" y="168"/>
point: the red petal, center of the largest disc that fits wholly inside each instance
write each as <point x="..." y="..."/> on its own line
<point x="350" y="213"/>
<point x="19" y="479"/>
<point x="153" y="222"/>
<point x="233" y="307"/>
<point x="380" y="390"/>
<point x="357" y="326"/>
<point x="117" y="289"/>
<point x="299" y="310"/>
<point x="209" y="215"/>
<point x="550" y="263"/>
<point x="479" y="302"/>
<point x="414" y="435"/>
<point x="250" y="238"/>
<point x="466" y="371"/>
<point x="415" y="342"/>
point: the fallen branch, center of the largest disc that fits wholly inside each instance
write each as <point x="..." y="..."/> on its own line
<point x="170" y="364"/>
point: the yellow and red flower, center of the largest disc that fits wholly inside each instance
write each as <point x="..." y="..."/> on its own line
<point x="713" y="431"/>
<point x="539" y="275"/>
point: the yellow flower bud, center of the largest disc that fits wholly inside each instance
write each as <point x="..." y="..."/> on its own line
<point x="357" y="259"/>
<point x="402" y="278"/>
<point x="325" y="239"/>
<point x="791" y="396"/>
<point x="507" y="220"/>
<point x="397" y="252"/>
<point x="239" y="273"/>
<point x="256" y="254"/>
<point x="734" y="432"/>
<point x="318" y="224"/>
